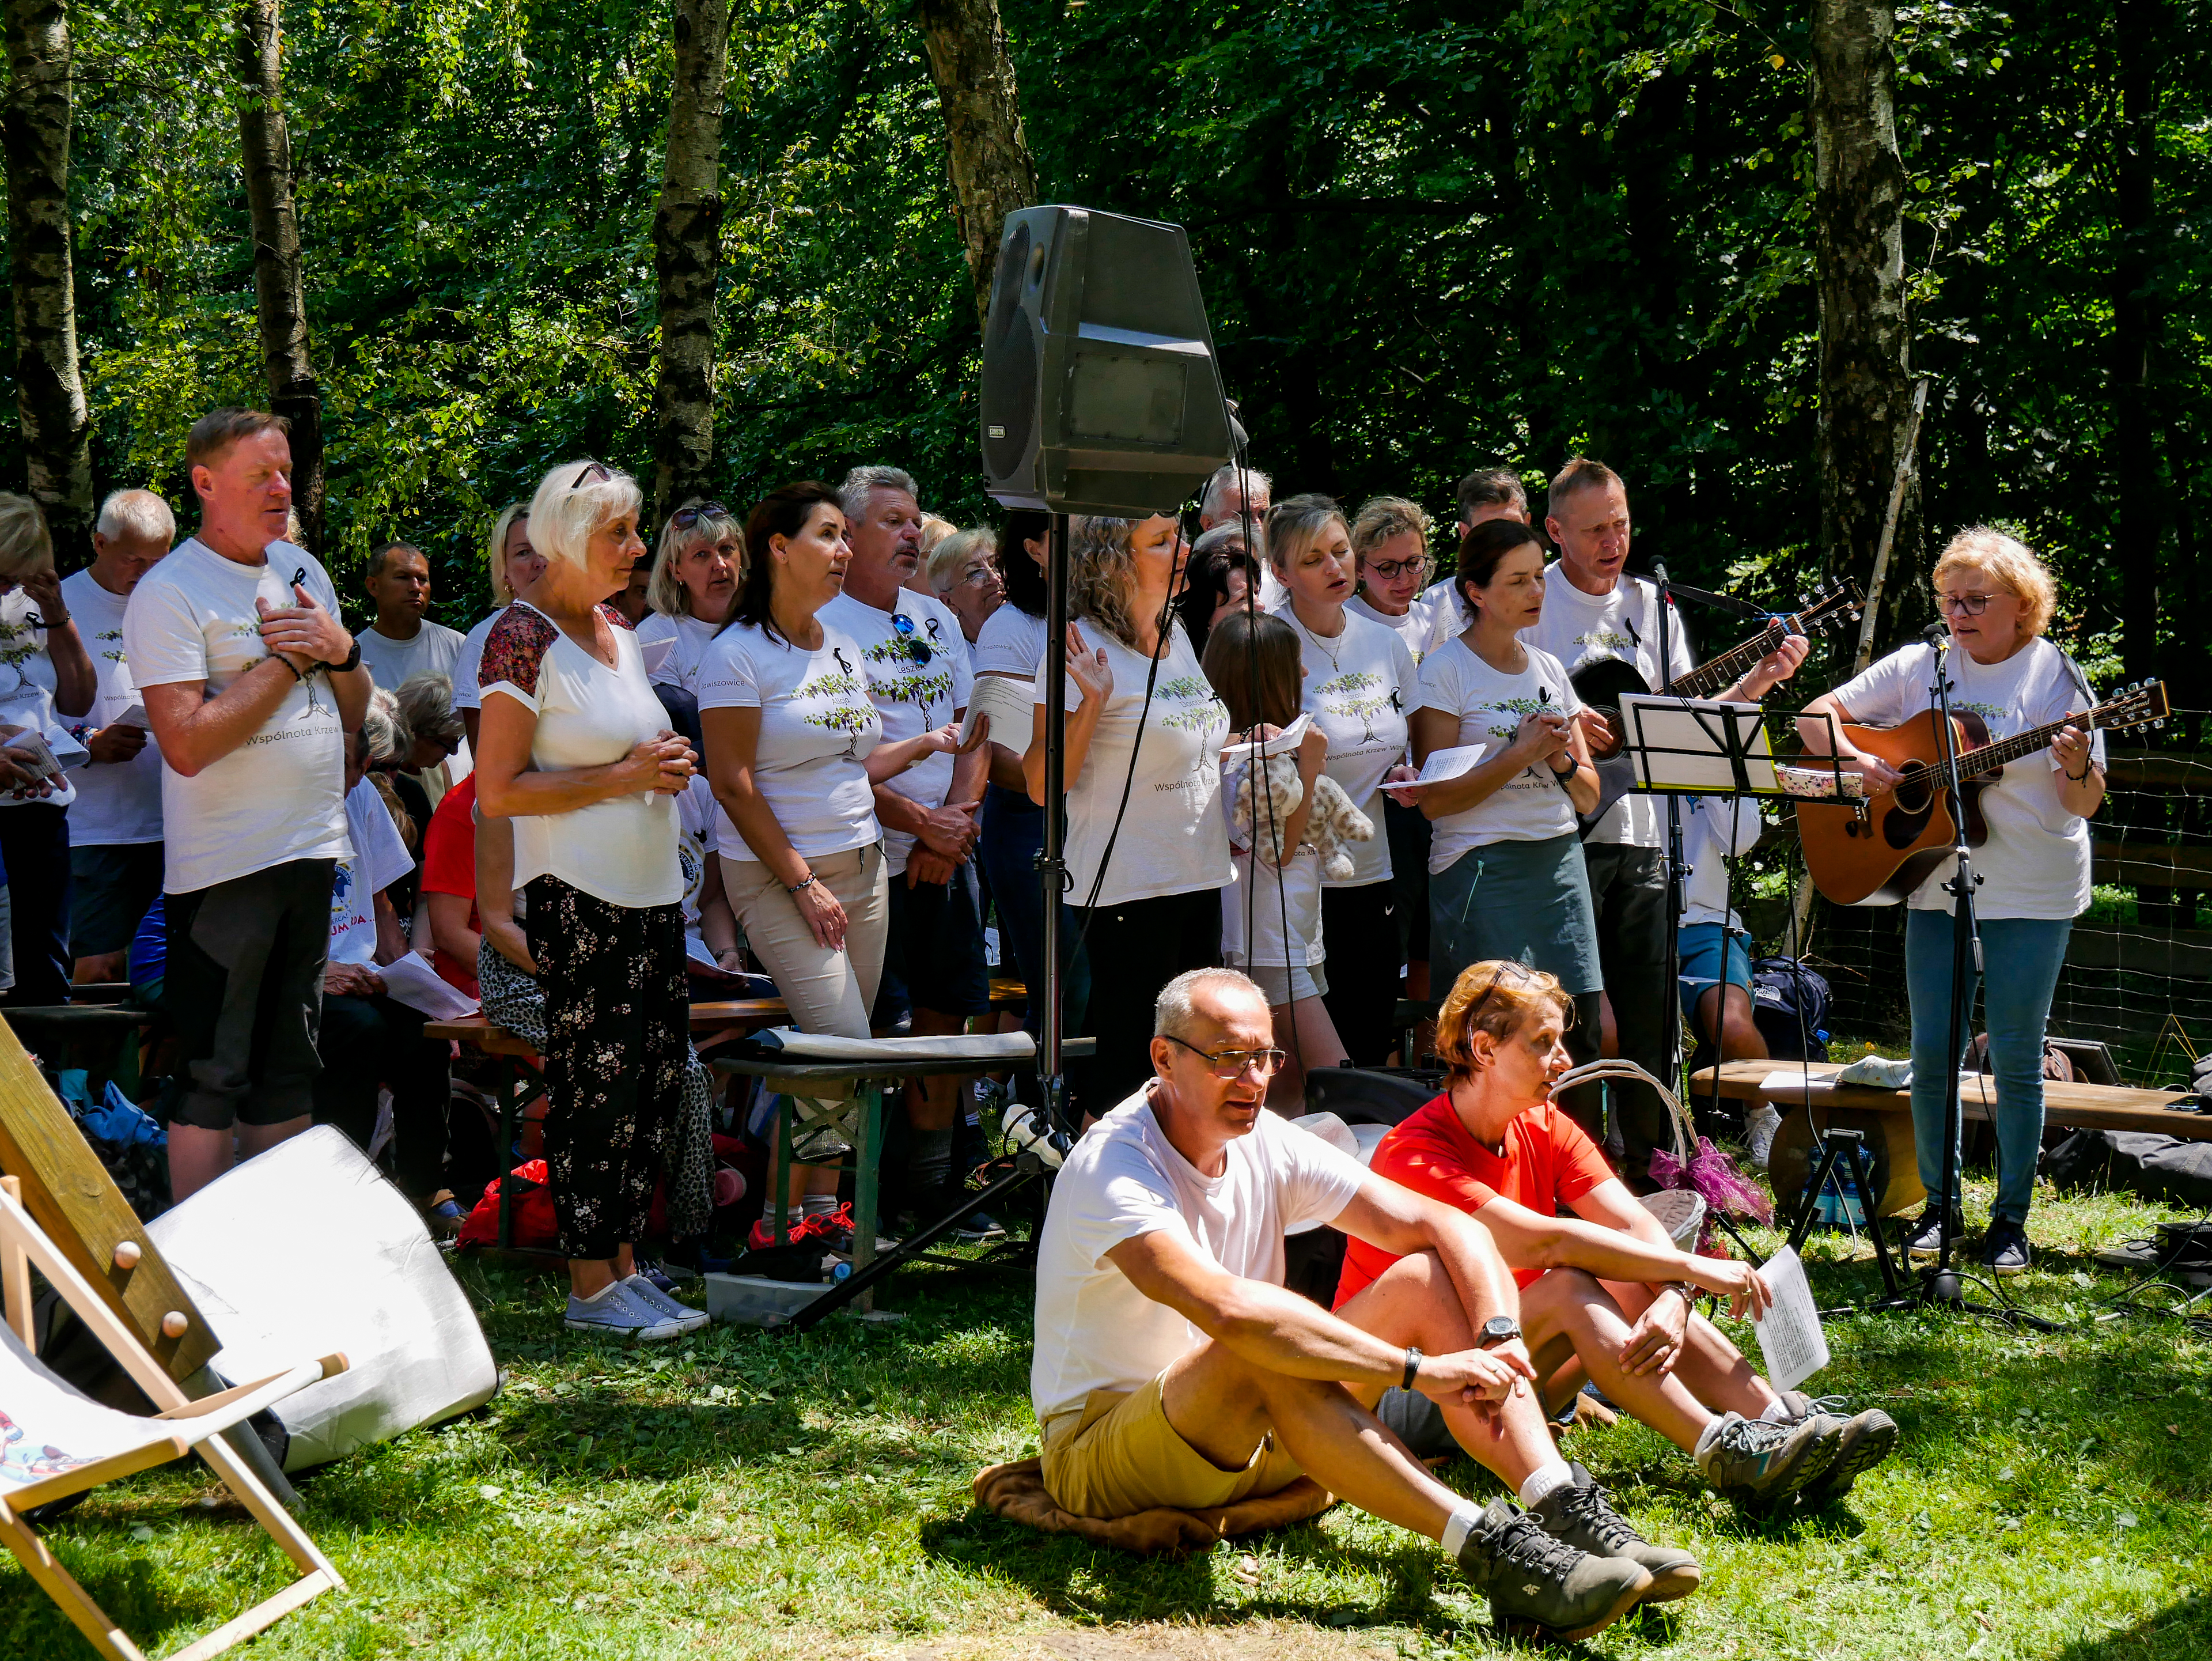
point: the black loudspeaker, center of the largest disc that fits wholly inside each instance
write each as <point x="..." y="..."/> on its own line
<point x="1100" y="393"/>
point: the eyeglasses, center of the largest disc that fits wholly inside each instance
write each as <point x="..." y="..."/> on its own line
<point x="1235" y="1063"/>
<point x="981" y="574"/>
<point x="594" y="472"/>
<point x="910" y="644"/>
<point x="684" y="518"/>
<point x="1390" y="569"/>
<point x="1969" y="606"/>
<point x="1520" y="971"/>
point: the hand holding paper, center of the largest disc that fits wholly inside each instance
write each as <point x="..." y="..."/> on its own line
<point x="1442" y="765"/>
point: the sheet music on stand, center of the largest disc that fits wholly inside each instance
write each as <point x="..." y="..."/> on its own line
<point x="1702" y="747"/>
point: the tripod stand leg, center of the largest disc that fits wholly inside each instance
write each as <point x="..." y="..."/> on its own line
<point x="1892" y="1283"/>
<point x="1810" y="1203"/>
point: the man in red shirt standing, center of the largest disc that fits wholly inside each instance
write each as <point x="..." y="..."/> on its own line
<point x="1496" y="1146"/>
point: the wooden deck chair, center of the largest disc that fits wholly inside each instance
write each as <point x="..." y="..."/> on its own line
<point x="54" y="1441"/>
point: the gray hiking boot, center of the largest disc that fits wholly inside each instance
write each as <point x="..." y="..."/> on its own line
<point x="1579" y="1513"/>
<point x="1537" y="1584"/>
<point x="1863" y="1443"/>
<point x="1763" y="1462"/>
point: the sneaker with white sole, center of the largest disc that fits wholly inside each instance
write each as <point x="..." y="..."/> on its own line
<point x="655" y="1298"/>
<point x="1763" y="1462"/>
<point x="613" y="1312"/>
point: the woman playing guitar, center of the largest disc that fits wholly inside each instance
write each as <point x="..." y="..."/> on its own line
<point x="1997" y="598"/>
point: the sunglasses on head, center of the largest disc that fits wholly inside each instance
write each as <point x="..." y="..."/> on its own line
<point x="684" y="518"/>
<point x="594" y="472"/>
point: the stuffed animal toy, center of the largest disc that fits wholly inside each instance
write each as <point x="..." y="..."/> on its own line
<point x="1333" y="824"/>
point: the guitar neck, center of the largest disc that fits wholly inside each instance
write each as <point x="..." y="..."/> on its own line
<point x="1724" y="670"/>
<point x="1990" y="756"/>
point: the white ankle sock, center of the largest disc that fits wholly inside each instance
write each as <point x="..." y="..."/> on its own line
<point x="1777" y="1412"/>
<point x="601" y="1294"/>
<point x="1542" y="1479"/>
<point x="1458" y="1527"/>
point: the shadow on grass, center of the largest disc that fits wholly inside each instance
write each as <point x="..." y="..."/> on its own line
<point x="2180" y="1632"/>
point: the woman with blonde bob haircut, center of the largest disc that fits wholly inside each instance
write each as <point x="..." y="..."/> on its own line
<point x="1495" y="1144"/>
<point x="1996" y="598"/>
<point x="693" y="588"/>
<point x="577" y="754"/>
<point x="513" y="566"/>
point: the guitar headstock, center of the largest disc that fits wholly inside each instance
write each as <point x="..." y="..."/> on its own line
<point x="2133" y="708"/>
<point x="1834" y="603"/>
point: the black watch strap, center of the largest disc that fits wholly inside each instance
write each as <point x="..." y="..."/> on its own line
<point x="352" y="662"/>
<point x="1413" y="1360"/>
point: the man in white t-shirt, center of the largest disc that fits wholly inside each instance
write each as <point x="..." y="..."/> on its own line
<point x="403" y="642"/>
<point x="919" y="678"/>
<point x="251" y="682"/>
<point x="1486" y="493"/>
<point x="115" y="822"/>
<point x="1594" y="610"/>
<point x="1172" y="1367"/>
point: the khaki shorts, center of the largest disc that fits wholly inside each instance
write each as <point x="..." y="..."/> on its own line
<point x="1118" y="1456"/>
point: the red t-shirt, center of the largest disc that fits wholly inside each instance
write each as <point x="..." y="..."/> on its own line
<point x="449" y="866"/>
<point x="1547" y="1161"/>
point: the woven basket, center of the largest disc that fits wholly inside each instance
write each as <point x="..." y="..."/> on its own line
<point x="1681" y="1211"/>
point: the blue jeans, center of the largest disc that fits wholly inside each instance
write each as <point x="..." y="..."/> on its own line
<point x="2027" y="952"/>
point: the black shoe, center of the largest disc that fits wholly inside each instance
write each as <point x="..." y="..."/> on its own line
<point x="1925" y="1237"/>
<point x="2005" y="1247"/>
<point x="1579" y="1513"/>
<point x="978" y="1228"/>
<point x="1537" y="1583"/>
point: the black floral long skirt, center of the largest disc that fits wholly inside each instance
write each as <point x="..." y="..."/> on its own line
<point x="617" y="1044"/>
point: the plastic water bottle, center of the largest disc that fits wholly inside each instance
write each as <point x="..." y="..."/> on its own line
<point x="1841" y="1206"/>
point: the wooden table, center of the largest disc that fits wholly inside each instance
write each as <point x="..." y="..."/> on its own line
<point x="1886" y="1117"/>
<point x="519" y="1067"/>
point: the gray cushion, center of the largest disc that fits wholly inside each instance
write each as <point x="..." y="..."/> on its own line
<point x="991" y="1049"/>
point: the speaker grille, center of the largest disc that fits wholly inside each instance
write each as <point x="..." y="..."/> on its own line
<point x="1010" y="364"/>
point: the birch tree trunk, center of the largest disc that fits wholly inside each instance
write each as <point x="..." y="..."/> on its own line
<point x="2130" y="463"/>
<point x="279" y="284"/>
<point x="1859" y="247"/>
<point x="986" y="155"/>
<point x="34" y="131"/>
<point x="687" y="233"/>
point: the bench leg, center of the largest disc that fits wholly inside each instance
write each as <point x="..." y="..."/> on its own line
<point x="779" y="1197"/>
<point x="510" y="1110"/>
<point x="867" y="1156"/>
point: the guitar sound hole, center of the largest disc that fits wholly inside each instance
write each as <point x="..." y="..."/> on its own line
<point x="1914" y="802"/>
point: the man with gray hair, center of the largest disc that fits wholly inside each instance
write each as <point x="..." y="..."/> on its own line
<point x="1173" y="1368"/>
<point x="1235" y="495"/>
<point x="920" y="678"/>
<point x="115" y="822"/>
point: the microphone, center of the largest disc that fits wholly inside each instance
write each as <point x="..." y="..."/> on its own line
<point x="1659" y="572"/>
<point x="1937" y="635"/>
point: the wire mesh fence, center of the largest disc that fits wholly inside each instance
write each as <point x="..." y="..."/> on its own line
<point x="2138" y="974"/>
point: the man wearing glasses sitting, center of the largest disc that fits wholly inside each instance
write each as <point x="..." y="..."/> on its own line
<point x="1173" y="1369"/>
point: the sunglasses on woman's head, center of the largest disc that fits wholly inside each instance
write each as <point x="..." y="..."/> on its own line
<point x="684" y="518"/>
<point x="1520" y="970"/>
<point x="595" y="472"/>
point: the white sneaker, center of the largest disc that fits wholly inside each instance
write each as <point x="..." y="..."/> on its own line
<point x="1765" y="1122"/>
<point x="661" y="1304"/>
<point x="614" y="1313"/>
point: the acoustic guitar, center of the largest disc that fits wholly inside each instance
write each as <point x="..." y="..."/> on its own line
<point x="1878" y="851"/>
<point x="1601" y="683"/>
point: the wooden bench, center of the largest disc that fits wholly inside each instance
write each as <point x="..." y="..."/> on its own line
<point x="519" y="1078"/>
<point x="1886" y="1117"/>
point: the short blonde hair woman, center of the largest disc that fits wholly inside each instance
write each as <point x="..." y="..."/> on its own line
<point x="45" y="674"/>
<point x="1996" y="598"/>
<point x="577" y="753"/>
<point x="692" y="590"/>
<point x="514" y="565"/>
<point x="963" y="572"/>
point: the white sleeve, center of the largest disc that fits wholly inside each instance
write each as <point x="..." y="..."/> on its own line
<point x="963" y="669"/>
<point x="162" y="638"/>
<point x="1121" y="1199"/>
<point x="728" y="679"/>
<point x="2068" y="693"/>
<point x="1889" y="691"/>
<point x="1438" y="686"/>
<point x="1318" y="1179"/>
<point x="385" y="859"/>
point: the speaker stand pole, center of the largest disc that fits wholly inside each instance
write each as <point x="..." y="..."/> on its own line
<point x="1051" y="861"/>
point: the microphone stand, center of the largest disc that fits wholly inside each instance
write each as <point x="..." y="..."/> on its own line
<point x="1678" y="886"/>
<point x="1941" y="1285"/>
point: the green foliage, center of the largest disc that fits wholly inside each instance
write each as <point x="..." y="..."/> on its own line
<point x="1431" y="236"/>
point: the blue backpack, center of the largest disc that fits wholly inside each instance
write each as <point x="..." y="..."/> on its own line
<point x="1790" y="1005"/>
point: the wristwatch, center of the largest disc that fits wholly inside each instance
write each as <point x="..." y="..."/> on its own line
<point x="1497" y="1330"/>
<point x="352" y="660"/>
<point x="1566" y="772"/>
<point x="1413" y="1360"/>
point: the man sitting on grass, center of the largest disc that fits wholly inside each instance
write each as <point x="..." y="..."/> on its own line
<point x="1172" y="1368"/>
<point x="1495" y="1145"/>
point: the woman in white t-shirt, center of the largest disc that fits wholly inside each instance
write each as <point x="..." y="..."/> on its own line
<point x="45" y="672"/>
<point x="693" y="586"/>
<point x="1505" y="866"/>
<point x="1390" y="547"/>
<point x="576" y="752"/>
<point x="514" y="567"/>
<point x="1997" y="598"/>
<point x="1272" y="921"/>
<point x="793" y="752"/>
<point x="1144" y="729"/>
<point x="1359" y="683"/>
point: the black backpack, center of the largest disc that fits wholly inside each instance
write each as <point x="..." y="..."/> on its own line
<point x="1790" y="1006"/>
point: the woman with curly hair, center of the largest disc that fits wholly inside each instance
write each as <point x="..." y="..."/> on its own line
<point x="1147" y="844"/>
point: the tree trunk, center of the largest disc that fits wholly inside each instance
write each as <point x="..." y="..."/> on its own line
<point x="1859" y="249"/>
<point x="34" y="129"/>
<point x="986" y="155"/>
<point x="279" y="284"/>
<point x="687" y="241"/>
<point x="2132" y="464"/>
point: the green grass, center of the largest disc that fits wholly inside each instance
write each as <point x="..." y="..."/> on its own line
<point x="747" y="1495"/>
